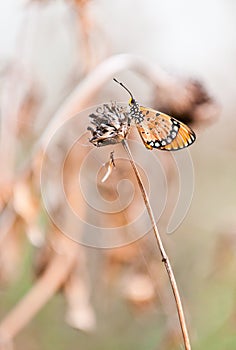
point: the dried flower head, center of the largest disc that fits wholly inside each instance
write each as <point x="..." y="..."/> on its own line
<point x="191" y="104"/>
<point x="112" y="124"/>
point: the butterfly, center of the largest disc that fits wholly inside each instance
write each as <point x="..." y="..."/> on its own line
<point x="159" y="130"/>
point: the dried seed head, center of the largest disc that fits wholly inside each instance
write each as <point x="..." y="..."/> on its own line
<point x="112" y="124"/>
<point x="191" y="104"/>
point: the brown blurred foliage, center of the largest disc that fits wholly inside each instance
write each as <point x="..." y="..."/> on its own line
<point x="59" y="263"/>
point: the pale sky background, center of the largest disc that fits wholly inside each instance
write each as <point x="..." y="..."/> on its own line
<point x="186" y="37"/>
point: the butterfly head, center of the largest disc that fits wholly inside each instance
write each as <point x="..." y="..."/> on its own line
<point x="134" y="106"/>
<point x="133" y="102"/>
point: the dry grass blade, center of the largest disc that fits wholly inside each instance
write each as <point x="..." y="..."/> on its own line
<point x="165" y="258"/>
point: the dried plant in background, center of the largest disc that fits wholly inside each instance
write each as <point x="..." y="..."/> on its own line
<point x="195" y="107"/>
<point x="62" y="264"/>
<point x="95" y="44"/>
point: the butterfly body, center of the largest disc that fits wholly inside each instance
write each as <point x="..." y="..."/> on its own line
<point x="159" y="130"/>
<point x="135" y="112"/>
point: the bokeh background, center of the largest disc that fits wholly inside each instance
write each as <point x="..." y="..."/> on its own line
<point x="117" y="298"/>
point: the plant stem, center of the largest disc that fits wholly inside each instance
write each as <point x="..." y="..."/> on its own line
<point x="164" y="256"/>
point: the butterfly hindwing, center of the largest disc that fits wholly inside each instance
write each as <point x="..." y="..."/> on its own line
<point x="159" y="130"/>
<point x="184" y="138"/>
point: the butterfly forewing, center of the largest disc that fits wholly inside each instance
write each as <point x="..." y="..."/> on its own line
<point x="159" y="130"/>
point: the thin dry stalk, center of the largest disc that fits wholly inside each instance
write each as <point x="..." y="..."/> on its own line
<point x="164" y="256"/>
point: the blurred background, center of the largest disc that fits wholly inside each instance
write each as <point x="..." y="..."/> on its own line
<point x="58" y="57"/>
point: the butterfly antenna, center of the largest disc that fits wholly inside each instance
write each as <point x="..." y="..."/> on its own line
<point x="118" y="82"/>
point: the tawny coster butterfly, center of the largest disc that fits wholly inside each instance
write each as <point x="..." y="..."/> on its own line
<point x="159" y="130"/>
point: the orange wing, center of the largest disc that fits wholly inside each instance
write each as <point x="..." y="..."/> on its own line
<point x="159" y="130"/>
